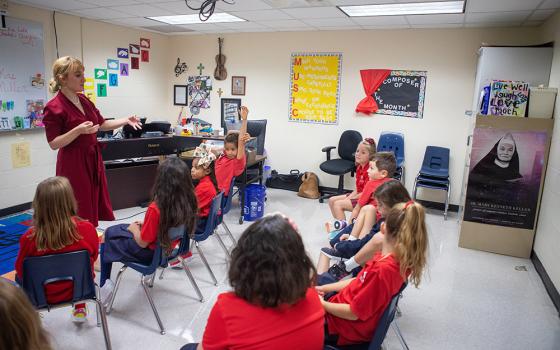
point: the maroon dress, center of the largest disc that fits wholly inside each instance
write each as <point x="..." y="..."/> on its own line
<point x="80" y="161"/>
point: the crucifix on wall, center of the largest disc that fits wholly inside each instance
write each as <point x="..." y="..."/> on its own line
<point x="200" y="68"/>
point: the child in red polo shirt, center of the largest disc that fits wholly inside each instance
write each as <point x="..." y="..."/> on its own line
<point x="231" y="162"/>
<point x="346" y="202"/>
<point x="203" y="173"/>
<point x="57" y="229"/>
<point x="354" y="312"/>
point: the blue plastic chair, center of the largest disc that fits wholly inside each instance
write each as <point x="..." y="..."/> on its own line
<point x="73" y="266"/>
<point x="209" y="230"/>
<point x="226" y="206"/>
<point x="147" y="272"/>
<point x="386" y="320"/>
<point x="393" y="142"/>
<point x="178" y="253"/>
<point x="434" y="173"/>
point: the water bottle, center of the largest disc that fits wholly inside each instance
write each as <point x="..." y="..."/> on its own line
<point x="340" y="224"/>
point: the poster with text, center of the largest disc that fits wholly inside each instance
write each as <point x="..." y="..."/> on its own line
<point x="505" y="177"/>
<point x="402" y="94"/>
<point x="315" y="87"/>
<point x="508" y="98"/>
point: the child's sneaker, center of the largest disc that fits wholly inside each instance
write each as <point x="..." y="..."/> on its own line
<point x="338" y="271"/>
<point x="79" y="313"/>
<point x="176" y="264"/>
<point x="107" y="292"/>
<point x="332" y="253"/>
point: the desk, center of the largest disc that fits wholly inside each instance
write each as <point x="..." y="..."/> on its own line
<point x="245" y="179"/>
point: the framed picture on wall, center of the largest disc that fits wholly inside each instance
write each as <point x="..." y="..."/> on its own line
<point x="238" y="85"/>
<point x="230" y="110"/>
<point x="180" y="95"/>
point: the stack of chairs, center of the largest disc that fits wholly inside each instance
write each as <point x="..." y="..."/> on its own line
<point x="434" y="173"/>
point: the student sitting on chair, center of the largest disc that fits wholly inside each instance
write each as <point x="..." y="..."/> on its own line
<point x="231" y="162"/>
<point x="57" y="229"/>
<point x="381" y="168"/>
<point x="21" y="325"/>
<point x="204" y="176"/>
<point x="346" y="202"/>
<point x="173" y="205"/>
<point x="354" y="312"/>
<point x="273" y="304"/>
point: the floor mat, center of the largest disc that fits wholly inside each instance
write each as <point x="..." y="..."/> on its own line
<point x="11" y="228"/>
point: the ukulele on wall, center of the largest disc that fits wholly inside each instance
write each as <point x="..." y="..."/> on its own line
<point x="220" y="73"/>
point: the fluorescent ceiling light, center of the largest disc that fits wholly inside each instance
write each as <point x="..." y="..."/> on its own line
<point x="416" y="8"/>
<point x="194" y="19"/>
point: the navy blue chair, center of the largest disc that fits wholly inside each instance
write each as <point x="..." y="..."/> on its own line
<point x="386" y="320"/>
<point x="178" y="253"/>
<point x="147" y="272"/>
<point x="209" y="230"/>
<point x="349" y="141"/>
<point x="393" y="142"/>
<point x="73" y="266"/>
<point x="434" y="173"/>
<point x="226" y="207"/>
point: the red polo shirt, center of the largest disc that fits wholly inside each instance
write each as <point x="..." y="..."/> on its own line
<point x="361" y="177"/>
<point x="205" y="192"/>
<point x="226" y="170"/>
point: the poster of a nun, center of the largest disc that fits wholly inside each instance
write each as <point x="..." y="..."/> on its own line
<point x="505" y="175"/>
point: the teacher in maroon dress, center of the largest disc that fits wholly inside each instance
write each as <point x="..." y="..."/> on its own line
<point x="71" y="124"/>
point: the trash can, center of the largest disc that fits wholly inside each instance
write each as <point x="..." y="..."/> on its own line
<point x="254" y="202"/>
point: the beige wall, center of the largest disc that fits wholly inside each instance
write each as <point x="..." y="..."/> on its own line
<point x="145" y="92"/>
<point x="547" y="239"/>
<point x="449" y="56"/>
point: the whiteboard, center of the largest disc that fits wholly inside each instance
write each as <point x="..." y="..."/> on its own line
<point x="23" y="86"/>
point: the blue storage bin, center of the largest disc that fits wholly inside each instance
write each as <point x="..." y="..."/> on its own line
<point x="253" y="208"/>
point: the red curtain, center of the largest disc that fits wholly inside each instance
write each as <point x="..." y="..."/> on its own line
<point x="371" y="79"/>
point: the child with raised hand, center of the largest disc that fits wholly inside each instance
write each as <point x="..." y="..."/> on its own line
<point x="354" y="312"/>
<point x="231" y="162"/>
<point x="273" y="304"/>
<point x="173" y="205"/>
<point x="21" y="325"/>
<point x="206" y="188"/>
<point x="346" y="202"/>
<point x="57" y="229"/>
<point x="387" y="195"/>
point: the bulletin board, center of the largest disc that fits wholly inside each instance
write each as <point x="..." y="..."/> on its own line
<point x="23" y="88"/>
<point x="315" y="87"/>
<point x="402" y="94"/>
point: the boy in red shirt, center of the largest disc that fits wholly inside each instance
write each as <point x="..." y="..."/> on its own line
<point x="231" y="161"/>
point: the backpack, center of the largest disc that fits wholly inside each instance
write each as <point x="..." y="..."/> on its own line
<point x="310" y="186"/>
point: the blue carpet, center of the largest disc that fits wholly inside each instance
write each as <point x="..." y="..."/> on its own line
<point x="11" y="228"/>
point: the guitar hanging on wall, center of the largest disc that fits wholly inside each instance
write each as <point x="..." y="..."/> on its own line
<point x="220" y="73"/>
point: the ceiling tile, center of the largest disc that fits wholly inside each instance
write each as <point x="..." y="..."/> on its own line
<point x="143" y="10"/>
<point x="263" y="15"/>
<point x="287" y="23"/>
<point x="387" y="27"/>
<point x="177" y="7"/>
<point x="63" y="5"/>
<point x="201" y="26"/>
<point x="550" y="4"/>
<point x="340" y="28"/>
<point x="436" y="19"/>
<point x="541" y="15"/>
<point x="98" y="3"/>
<point x="489" y="17"/>
<point x="501" y="5"/>
<point x="360" y="2"/>
<point x="243" y="5"/>
<point x="492" y="24"/>
<point x="381" y="20"/>
<point x="282" y="4"/>
<point x="295" y="29"/>
<point x="241" y="26"/>
<point x="135" y="21"/>
<point x="438" y="25"/>
<point x="331" y="22"/>
<point x="315" y="12"/>
<point x="100" y="13"/>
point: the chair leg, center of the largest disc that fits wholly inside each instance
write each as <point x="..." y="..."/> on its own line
<point x="149" y="296"/>
<point x="152" y="278"/>
<point x="402" y="176"/>
<point x="399" y="335"/>
<point x="340" y="184"/>
<point x="191" y="279"/>
<point x="161" y="274"/>
<point x="98" y="311"/>
<point x="101" y="314"/>
<point x="414" y="189"/>
<point x="229" y="233"/>
<point x="117" y="284"/>
<point x="206" y="263"/>
<point x="221" y="243"/>
<point x="447" y="201"/>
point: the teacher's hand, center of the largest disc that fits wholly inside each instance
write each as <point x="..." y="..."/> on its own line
<point x="87" y="128"/>
<point x="134" y="121"/>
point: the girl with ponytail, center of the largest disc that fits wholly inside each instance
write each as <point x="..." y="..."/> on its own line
<point x="352" y="314"/>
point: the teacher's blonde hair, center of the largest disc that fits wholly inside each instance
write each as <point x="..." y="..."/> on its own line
<point x="61" y="68"/>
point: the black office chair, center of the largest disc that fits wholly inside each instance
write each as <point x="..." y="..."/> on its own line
<point x="257" y="128"/>
<point x="347" y="145"/>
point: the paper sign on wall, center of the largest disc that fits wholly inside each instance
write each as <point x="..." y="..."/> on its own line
<point x="124" y="69"/>
<point x="102" y="90"/>
<point x="315" y="87"/>
<point x="145" y="56"/>
<point x="21" y="156"/>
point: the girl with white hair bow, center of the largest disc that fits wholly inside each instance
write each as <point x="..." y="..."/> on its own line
<point x="203" y="173"/>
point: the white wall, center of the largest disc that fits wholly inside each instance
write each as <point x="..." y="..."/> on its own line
<point x="547" y="239"/>
<point x="145" y="92"/>
<point x="449" y="56"/>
